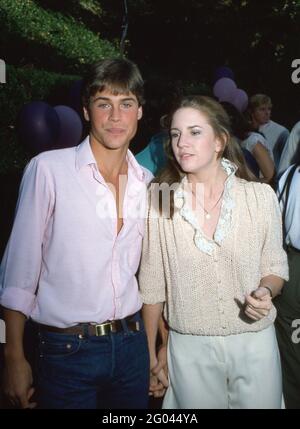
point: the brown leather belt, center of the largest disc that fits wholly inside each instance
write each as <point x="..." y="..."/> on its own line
<point x="105" y="328"/>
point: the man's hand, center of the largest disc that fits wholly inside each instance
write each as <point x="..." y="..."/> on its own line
<point x="258" y="304"/>
<point x="156" y="388"/>
<point x="159" y="374"/>
<point x="17" y="383"/>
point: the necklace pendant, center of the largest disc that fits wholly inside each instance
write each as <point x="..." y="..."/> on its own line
<point x="207" y="216"/>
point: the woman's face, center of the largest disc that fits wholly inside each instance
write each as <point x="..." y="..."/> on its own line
<point x="193" y="140"/>
<point x="262" y="114"/>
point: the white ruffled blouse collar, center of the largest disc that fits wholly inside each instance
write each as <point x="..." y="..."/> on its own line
<point x="202" y="242"/>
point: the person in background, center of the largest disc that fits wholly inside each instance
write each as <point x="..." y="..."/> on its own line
<point x="72" y="256"/>
<point x="161" y="93"/>
<point x="253" y="142"/>
<point x="153" y="157"/>
<point x="290" y="149"/>
<point x="260" y="108"/>
<point x="288" y="303"/>
<point x="213" y="260"/>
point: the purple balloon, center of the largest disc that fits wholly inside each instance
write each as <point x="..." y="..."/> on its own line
<point x="223" y="72"/>
<point x="224" y="89"/>
<point x="70" y="129"/>
<point x="240" y="100"/>
<point x="38" y="126"/>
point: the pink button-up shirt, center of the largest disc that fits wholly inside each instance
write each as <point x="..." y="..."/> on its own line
<point x="64" y="263"/>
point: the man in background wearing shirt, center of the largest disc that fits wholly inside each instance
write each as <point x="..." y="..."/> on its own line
<point x="72" y="256"/>
<point x="260" y="108"/>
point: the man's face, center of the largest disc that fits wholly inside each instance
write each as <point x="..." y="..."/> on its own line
<point x="113" y="118"/>
<point x="262" y="114"/>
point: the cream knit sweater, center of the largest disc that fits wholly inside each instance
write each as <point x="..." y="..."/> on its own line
<point x="204" y="282"/>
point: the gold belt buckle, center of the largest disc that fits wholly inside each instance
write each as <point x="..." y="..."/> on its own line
<point x="103" y="329"/>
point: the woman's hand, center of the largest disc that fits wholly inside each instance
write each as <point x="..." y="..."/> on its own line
<point x="258" y="304"/>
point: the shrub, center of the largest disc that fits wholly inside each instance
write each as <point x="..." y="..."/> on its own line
<point x="48" y="38"/>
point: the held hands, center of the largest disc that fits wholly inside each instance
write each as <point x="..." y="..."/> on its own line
<point x="258" y="304"/>
<point x="159" y="374"/>
<point x="17" y="380"/>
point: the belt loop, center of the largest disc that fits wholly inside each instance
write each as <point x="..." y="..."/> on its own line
<point x="124" y="325"/>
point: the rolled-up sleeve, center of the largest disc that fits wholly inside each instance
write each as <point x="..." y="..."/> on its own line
<point x="22" y="261"/>
<point x="151" y="272"/>
<point x="274" y="258"/>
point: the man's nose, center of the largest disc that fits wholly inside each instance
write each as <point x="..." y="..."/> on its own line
<point x="115" y="114"/>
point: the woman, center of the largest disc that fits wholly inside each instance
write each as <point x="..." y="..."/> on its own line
<point x="288" y="303"/>
<point x="252" y="141"/>
<point x="215" y="261"/>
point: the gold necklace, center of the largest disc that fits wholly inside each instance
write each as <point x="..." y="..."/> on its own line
<point x="208" y="213"/>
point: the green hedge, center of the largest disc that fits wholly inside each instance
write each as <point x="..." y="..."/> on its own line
<point x="50" y="38"/>
<point x="41" y="39"/>
<point x="22" y="86"/>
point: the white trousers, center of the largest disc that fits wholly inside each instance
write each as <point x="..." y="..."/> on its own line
<point x="234" y="371"/>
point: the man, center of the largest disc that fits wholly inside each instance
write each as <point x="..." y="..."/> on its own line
<point x="72" y="256"/>
<point x="260" y="108"/>
<point x="290" y="149"/>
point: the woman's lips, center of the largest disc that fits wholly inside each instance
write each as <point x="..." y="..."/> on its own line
<point x="185" y="156"/>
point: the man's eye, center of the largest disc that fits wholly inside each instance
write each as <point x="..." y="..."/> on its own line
<point x="104" y="106"/>
<point x="127" y="105"/>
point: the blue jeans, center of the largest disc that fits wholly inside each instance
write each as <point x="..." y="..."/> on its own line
<point x="110" y="371"/>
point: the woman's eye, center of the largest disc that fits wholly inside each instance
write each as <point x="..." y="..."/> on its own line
<point x="195" y="132"/>
<point x="174" y="135"/>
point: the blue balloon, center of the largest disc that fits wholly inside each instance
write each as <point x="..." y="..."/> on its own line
<point x="223" y="72"/>
<point x="70" y="129"/>
<point x="38" y="126"/>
